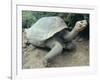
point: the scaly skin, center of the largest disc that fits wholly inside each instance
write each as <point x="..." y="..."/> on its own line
<point x="79" y="26"/>
<point x="57" y="47"/>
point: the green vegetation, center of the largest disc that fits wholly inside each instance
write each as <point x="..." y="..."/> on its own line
<point x="30" y="17"/>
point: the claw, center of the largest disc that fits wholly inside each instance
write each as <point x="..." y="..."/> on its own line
<point x="45" y="63"/>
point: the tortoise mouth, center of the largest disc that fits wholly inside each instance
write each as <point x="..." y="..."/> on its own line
<point x="80" y="29"/>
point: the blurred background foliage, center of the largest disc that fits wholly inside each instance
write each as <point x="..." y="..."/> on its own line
<point x="30" y="17"/>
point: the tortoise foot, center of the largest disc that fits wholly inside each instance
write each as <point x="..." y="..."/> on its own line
<point x="46" y="63"/>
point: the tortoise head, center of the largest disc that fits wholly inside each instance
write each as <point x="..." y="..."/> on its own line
<point x="80" y="25"/>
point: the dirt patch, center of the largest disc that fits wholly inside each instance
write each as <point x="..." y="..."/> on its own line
<point x="32" y="57"/>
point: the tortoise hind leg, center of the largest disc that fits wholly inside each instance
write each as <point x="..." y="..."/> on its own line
<point x="55" y="50"/>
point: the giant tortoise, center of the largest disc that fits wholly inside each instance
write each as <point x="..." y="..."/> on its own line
<point x="52" y="32"/>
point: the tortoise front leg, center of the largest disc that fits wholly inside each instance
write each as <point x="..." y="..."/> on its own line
<point x="55" y="50"/>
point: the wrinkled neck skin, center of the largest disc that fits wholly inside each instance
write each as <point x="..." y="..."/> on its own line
<point x="71" y="35"/>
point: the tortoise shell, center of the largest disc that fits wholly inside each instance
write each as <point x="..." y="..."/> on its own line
<point x="44" y="29"/>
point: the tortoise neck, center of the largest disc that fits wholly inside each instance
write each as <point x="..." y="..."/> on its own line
<point x="71" y="35"/>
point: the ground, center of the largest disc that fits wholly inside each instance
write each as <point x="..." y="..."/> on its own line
<point x="32" y="57"/>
